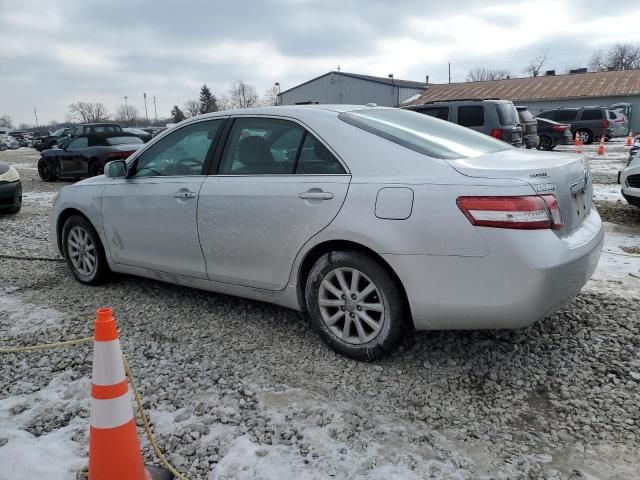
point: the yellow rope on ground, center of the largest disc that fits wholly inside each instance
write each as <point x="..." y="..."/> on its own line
<point x="147" y="427"/>
<point x="45" y="346"/>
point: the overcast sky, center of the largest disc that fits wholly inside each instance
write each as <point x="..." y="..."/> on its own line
<point x="53" y="52"/>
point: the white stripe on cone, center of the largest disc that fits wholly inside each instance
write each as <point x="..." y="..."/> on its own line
<point x="107" y="363"/>
<point x="111" y="413"/>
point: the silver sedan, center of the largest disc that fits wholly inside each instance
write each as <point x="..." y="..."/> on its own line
<point x="370" y="219"/>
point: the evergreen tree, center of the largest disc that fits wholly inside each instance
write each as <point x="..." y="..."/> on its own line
<point x="176" y="114"/>
<point x="208" y="101"/>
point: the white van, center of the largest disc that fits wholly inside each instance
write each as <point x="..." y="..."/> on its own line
<point x="4" y="133"/>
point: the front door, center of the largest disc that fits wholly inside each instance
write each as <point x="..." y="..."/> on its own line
<point x="149" y="218"/>
<point x="276" y="187"/>
<point x="71" y="158"/>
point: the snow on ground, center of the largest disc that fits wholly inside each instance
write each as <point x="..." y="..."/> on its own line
<point x="26" y="452"/>
<point x="24" y="166"/>
<point x="43" y="199"/>
<point x="614" y="270"/>
<point x="609" y="192"/>
<point x="17" y="316"/>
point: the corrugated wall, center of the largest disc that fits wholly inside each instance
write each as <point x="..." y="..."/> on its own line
<point x="347" y="90"/>
<point x="537" y="106"/>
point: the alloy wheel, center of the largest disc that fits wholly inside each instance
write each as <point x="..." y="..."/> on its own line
<point x="351" y="305"/>
<point x="82" y="251"/>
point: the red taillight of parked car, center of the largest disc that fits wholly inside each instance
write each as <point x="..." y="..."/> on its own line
<point x="605" y="124"/>
<point x="118" y="155"/>
<point x="496" y="133"/>
<point x="523" y="213"/>
<point x="560" y="128"/>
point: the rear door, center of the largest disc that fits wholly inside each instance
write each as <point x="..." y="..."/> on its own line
<point x="276" y="186"/>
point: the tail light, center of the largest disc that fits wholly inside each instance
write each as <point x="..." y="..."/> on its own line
<point x="605" y="124"/>
<point x="118" y="155"/>
<point x="560" y="128"/>
<point x="523" y="213"/>
<point x="496" y="133"/>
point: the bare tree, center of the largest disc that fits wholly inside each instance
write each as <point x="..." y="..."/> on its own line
<point x="127" y="114"/>
<point x="87" y="112"/>
<point x="482" y="74"/>
<point x="5" y="121"/>
<point x="191" y="108"/>
<point x="621" y="56"/>
<point x="242" y="95"/>
<point x="270" y="96"/>
<point x="536" y="64"/>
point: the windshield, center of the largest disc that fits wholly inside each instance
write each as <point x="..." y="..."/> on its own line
<point x="423" y="133"/>
<point x="59" y="132"/>
<point x="507" y="114"/>
<point x="123" y="140"/>
<point x="525" y="115"/>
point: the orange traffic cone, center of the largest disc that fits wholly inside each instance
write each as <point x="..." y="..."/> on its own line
<point x="629" y="141"/>
<point x="114" y="449"/>
<point x="578" y="143"/>
<point x="600" y="150"/>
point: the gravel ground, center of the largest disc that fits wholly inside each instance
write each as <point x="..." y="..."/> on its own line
<point x="241" y="389"/>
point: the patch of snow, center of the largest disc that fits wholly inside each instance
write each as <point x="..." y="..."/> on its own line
<point x="613" y="272"/>
<point x="24" y="166"/>
<point x="609" y="192"/>
<point x="54" y="455"/>
<point x="18" y="316"/>
<point x="41" y="199"/>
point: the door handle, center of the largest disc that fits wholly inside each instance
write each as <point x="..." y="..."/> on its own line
<point x="315" y="195"/>
<point x="184" y="194"/>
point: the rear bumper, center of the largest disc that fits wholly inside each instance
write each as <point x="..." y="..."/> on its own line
<point x="526" y="275"/>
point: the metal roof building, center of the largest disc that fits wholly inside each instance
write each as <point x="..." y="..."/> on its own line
<point x="550" y="91"/>
<point x="351" y="88"/>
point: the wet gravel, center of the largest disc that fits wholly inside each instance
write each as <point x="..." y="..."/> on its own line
<point x="557" y="400"/>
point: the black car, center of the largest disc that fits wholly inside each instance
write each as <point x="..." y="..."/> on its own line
<point x="51" y="140"/>
<point x="88" y="128"/>
<point x="140" y="133"/>
<point x="10" y="189"/>
<point x="86" y="155"/>
<point x="529" y="127"/>
<point x="553" y="133"/>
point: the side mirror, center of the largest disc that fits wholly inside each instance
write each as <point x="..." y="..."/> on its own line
<point x="115" y="169"/>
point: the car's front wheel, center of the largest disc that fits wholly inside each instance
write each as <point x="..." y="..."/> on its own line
<point x="355" y="305"/>
<point x="83" y="251"/>
<point x="45" y="171"/>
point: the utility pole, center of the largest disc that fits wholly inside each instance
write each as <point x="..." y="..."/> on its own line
<point x="277" y="84"/>
<point x="146" y="114"/>
<point x="126" y="108"/>
<point x="35" y="112"/>
<point x="155" y="110"/>
<point x="449" y="72"/>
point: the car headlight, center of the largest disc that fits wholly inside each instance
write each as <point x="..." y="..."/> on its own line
<point x="10" y="175"/>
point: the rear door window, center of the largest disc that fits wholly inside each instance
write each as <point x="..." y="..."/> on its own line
<point x="471" y="116"/>
<point x="439" y="112"/>
<point x="507" y="114"/>
<point x="565" y="115"/>
<point x="592" y="114"/>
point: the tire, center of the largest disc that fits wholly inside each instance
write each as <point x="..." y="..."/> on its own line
<point x="545" y="143"/>
<point x="95" y="169"/>
<point x="45" y="171"/>
<point x="17" y="201"/>
<point x="586" y="135"/>
<point x="366" y="339"/>
<point x="79" y="240"/>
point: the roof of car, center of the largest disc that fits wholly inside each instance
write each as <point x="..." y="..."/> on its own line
<point x="106" y="135"/>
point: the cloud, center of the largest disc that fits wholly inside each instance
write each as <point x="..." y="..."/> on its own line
<point x="58" y="52"/>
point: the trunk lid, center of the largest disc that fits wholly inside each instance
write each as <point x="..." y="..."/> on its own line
<point x="566" y="176"/>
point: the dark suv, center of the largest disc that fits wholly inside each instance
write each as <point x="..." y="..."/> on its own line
<point x="498" y="118"/>
<point x="529" y="126"/>
<point x="590" y="123"/>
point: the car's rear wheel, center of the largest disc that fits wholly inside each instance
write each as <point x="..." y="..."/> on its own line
<point x="95" y="169"/>
<point x="355" y="305"/>
<point x="545" y="143"/>
<point x="83" y="251"/>
<point x="585" y="135"/>
<point x="45" y="171"/>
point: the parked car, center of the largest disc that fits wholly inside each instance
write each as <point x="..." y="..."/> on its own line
<point x="86" y="155"/>
<point x="629" y="177"/>
<point x="20" y="138"/>
<point x="154" y="130"/>
<point x="50" y="141"/>
<point x="529" y="127"/>
<point x="589" y="122"/>
<point x="553" y="133"/>
<point x="619" y="123"/>
<point x="141" y="134"/>
<point x="365" y="217"/>
<point x="12" y="143"/>
<point x="3" y="145"/>
<point x="10" y="189"/>
<point x="87" y="128"/>
<point x="497" y="118"/>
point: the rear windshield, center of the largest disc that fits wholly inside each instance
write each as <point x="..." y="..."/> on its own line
<point x="507" y="114"/>
<point x="525" y="115"/>
<point x="123" y="140"/>
<point x="423" y="133"/>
